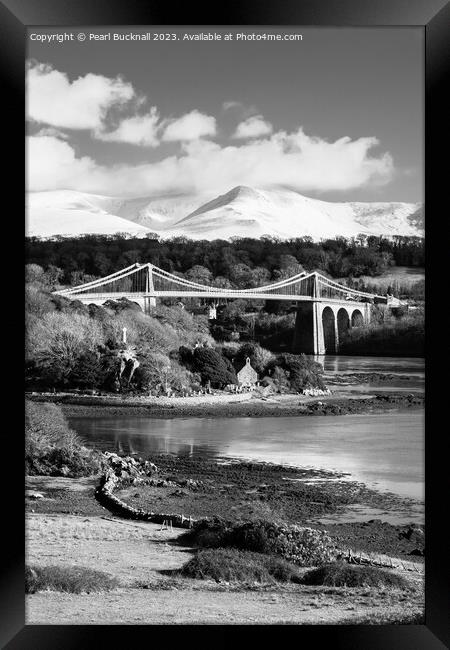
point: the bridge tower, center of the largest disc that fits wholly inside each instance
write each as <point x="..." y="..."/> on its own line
<point x="308" y="333"/>
<point x="149" y="301"/>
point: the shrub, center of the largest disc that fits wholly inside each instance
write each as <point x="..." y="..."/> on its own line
<point x="303" y="372"/>
<point x="280" y="379"/>
<point x="260" y="358"/>
<point x="213" y="367"/>
<point x="74" y="579"/>
<point x="232" y="565"/>
<point x="341" y="574"/>
<point x="56" y="342"/>
<point x="52" y="448"/>
<point x="301" y="546"/>
<point x="46" y="426"/>
<point x="61" y="461"/>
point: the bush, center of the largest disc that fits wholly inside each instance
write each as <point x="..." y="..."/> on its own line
<point x="61" y="461"/>
<point x="303" y="372"/>
<point x="213" y="367"/>
<point x="260" y="358"/>
<point x="232" y="565"/>
<point x="52" y="448"/>
<point x="341" y="574"/>
<point x="46" y="426"/>
<point x="301" y="546"/>
<point x="73" y="580"/>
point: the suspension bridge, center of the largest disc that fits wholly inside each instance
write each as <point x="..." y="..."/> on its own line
<point x="325" y="308"/>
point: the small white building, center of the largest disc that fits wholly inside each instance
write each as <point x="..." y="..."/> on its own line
<point x="247" y="376"/>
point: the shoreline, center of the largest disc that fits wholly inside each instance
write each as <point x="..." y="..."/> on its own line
<point x="249" y="405"/>
<point x="242" y="489"/>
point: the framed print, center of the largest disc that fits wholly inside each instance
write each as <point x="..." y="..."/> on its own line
<point x="225" y="317"/>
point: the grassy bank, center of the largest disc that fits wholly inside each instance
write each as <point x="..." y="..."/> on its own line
<point x="52" y="448"/>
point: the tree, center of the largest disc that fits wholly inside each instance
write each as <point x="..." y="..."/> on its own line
<point x="37" y="302"/>
<point x="87" y="371"/>
<point x="213" y="368"/>
<point x="154" y="373"/>
<point x="280" y="379"/>
<point x="34" y="273"/>
<point x="53" y="276"/>
<point x="80" y="277"/>
<point x="260" y="358"/>
<point x="260" y="277"/>
<point x="302" y="372"/>
<point x="199" y="274"/>
<point x="56" y="342"/>
<point x="241" y="275"/>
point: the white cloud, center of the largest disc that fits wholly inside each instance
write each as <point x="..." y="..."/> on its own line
<point x="140" y="130"/>
<point x="49" y="157"/>
<point x="294" y="160"/>
<point x="50" y="130"/>
<point x="191" y="126"/>
<point x="231" y="104"/>
<point x="81" y="104"/>
<point x="253" y="127"/>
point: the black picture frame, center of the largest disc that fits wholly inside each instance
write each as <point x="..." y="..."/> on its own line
<point x="434" y="17"/>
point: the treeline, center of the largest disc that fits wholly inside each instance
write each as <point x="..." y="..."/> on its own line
<point x="241" y="262"/>
<point x="388" y="336"/>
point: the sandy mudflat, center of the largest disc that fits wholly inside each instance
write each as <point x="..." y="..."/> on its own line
<point x="68" y="527"/>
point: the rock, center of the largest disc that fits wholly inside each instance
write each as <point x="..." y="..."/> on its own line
<point x="418" y="551"/>
<point x="33" y="495"/>
<point x="413" y="533"/>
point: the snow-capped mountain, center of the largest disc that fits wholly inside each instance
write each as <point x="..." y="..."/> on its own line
<point x="69" y="213"/>
<point x="249" y="212"/>
<point x="242" y="212"/>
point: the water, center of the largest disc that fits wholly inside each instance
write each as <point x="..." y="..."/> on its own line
<point x="409" y="373"/>
<point x="385" y="450"/>
<point x="394" y="365"/>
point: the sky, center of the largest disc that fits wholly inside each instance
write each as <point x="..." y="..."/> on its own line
<point x="337" y="115"/>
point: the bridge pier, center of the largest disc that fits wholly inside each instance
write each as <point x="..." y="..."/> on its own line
<point x="145" y="303"/>
<point x="320" y="326"/>
<point x="308" y="333"/>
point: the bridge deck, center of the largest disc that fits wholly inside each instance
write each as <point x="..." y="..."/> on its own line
<point x="201" y="294"/>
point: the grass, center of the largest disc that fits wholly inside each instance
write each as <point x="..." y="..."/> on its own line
<point x="340" y="574"/>
<point x="73" y="579"/>
<point x="378" y="618"/>
<point x="232" y="565"/>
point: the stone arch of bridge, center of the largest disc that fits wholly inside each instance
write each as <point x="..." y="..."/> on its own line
<point x="343" y="323"/>
<point x="329" y="330"/>
<point x="357" y="318"/>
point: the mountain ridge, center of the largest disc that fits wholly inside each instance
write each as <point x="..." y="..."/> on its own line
<point x="241" y="211"/>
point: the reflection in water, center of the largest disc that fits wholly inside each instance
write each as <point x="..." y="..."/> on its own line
<point x="395" y="365"/>
<point x="137" y="436"/>
<point x="382" y="450"/>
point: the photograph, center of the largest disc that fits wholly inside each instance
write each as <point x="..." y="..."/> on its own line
<point x="225" y="325"/>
